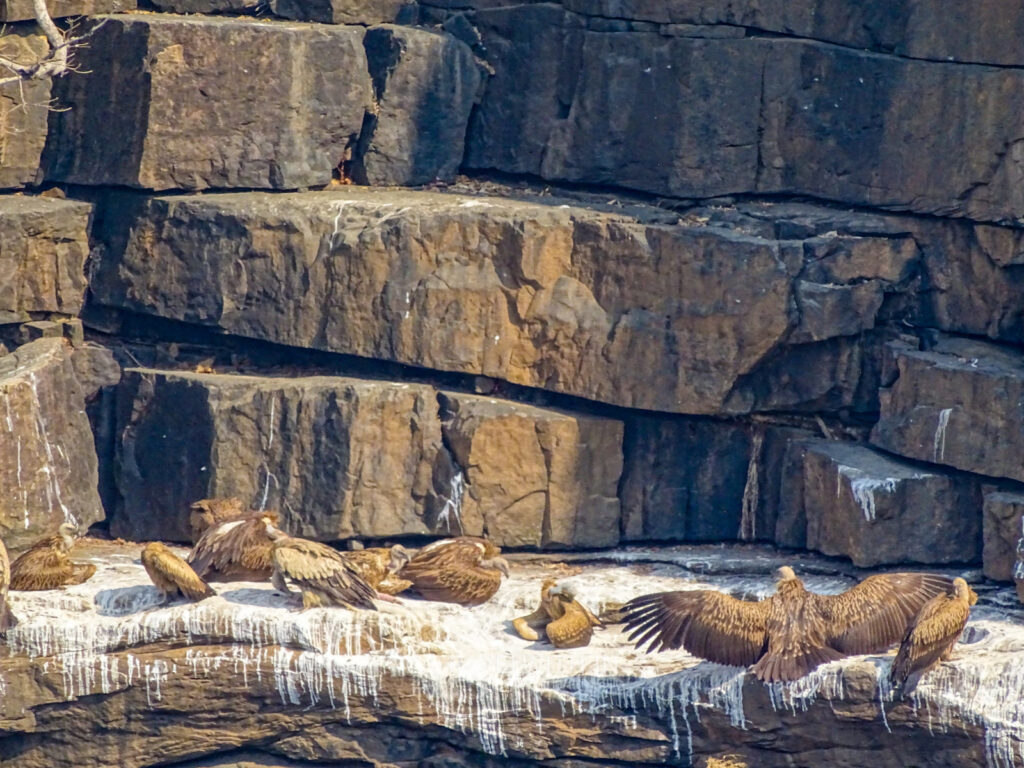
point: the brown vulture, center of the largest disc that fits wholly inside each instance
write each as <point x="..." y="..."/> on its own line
<point x="324" y="575"/>
<point x="206" y="513"/>
<point x="378" y="566"/>
<point x="46" y="565"/>
<point x="466" y="570"/>
<point x="235" y="550"/>
<point x="172" y="575"/>
<point x="561" y="618"/>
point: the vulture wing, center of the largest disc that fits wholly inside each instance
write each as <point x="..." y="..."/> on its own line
<point x="319" y="568"/>
<point x="7" y="620"/>
<point x="931" y="635"/>
<point x="168" y="571"/>
<point x="712" y="625"/>
<point x="448" y="571"/>
<point x="239" y="548"/>
<point x="873" y="615"/>
<point x="573" y="629"/>
<point x="44" y="566"/>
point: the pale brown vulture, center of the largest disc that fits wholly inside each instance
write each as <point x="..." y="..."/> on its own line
<point x="7" y="619"/>
<point x="172" y="575"/>
<point x="466" y="570"/>
<point x="788" y="634"/>
<point x="46" y="565"/>
<point x="378" y="566"/>
<point x="561" y="618"/>
<point x="206" y="513"/>
<point x="323" y="574"/>
<point x="235" y="550"/>
<point x="931" y="636"/>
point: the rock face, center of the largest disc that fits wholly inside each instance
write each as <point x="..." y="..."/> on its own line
<point x="957" y="404"/>
<point x="860" y="504"/>
<point x="21" y="10"/>
<point x="1003" y="528"/>
<point x="43" y="247"/>
<point x="47" y="457"/>
<point x="343" y="11"/>
<point x="23" y="111"/>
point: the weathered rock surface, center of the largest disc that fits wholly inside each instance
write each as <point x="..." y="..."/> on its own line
<point x="1003" y="534"/>
<point x="23" y="110"/>
<point x="424" y="84"/>
<point x="241" y="673"/>
<point x="21" y="10"/>
<point x="343" y="11"/>
<point x="619" y="305"/>
<point x="173" y="94"/>
<point x="532" y="476"/>
<point x="43" y="247"/>
<point x="957" y="404"/>
<point x="861" y="504"/>
<point x="47" y="457"/>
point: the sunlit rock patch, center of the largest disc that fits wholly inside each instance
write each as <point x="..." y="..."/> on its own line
<point x="464" y="669"/>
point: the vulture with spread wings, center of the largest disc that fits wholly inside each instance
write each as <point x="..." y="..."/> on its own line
<point x="235" y="550"/>
<point x="46" y="564"/>
<point x="325" y="576"/>
<point x="7" y="620"/>
<point x="931" y="635"/>
<point x="172" y="575"/>
<point x="788" y="634"/>
<point x="466" y="570"/>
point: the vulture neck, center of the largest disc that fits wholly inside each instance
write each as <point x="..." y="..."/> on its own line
<point x="789" y="588"/>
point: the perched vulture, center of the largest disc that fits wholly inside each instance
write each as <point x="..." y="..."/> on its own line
<point x="788" y="634"/>
<point x="378" y="566"/>
<point x="7" y="620"/>
<point x="565" y="621"/>
<point x="324" y="575"/>
<point x="931" y="636"/>
<point x="172" y="575"/>
<point x="236" y="550"/>
<point x="466" y="570"/>
<point x="207" y="513"/>
<point x="46" y="565"/>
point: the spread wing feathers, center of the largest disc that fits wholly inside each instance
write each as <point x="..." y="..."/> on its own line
<point x="873" y="615"/>
<point x="573" y="629"/>
<point x="454" y="584"/>
<point x="7" y="619"/>
<point x="930" y="637"/>
<point x="319" y="569"/>
<point x="171" y="574"/>
<point x="41" y="567"/>
<point x="236" y="548"/>
<point x="712" y="625"/>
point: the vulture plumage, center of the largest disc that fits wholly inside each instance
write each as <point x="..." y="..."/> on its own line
<point x="561" y="618"/>
<point x="46" y="565"/>
<point x="206" y="513"/>
<point x="466" y="570"/>
<point x="235" y="550"/>
<point x="378" y="566"/>
<point x="7" y="619"/>
<point x="172" y="575"/>
<point x="788" y="634"/>
<point x="324" y="575"/>
<point x="931" y="636"/>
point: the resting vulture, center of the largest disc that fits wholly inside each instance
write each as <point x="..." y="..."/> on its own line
<point x="324" y="575"/>
<point x="46" y="565"/>
<point x="565" y="621"/>
<point x="378" y="566"/>
<point x="466" y="570"/>
<point x="172" y="575"/>
<point x="931" y="636"/>
<point x="788" y="634"/>
<point x="207" y="513"/>
<point x="235" y="550"/>
<point x="7" y="620"/>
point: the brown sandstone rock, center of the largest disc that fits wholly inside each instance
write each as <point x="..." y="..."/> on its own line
<point x="43" y="247"/>
<point x="861" y="504"/>
<point x="47" y="457"/>
<point x="23" y="110"/>
<point x="1003" y="534"/>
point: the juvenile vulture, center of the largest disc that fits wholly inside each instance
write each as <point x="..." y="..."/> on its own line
<point x="236" y="550"/>
<point x="324" y="575"/>
<point x="207" y="513"/>
<point x="931" y="636"/>
<point x="378" y="566"/>
<point x="46" y="565"/>
<point x="788" y="634"/>
<point x="172" y="575"/>
<point x="561" y="618"/>
<point x="7" y="620"/>
<point x="466" y="570"/>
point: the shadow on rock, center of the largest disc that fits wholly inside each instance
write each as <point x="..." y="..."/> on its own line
<point x="125" y="601"/>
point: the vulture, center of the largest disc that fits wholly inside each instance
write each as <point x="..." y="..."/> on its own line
<point x="565" y="621"/>
<point x="7" y="620"/>
<point x="46" y="565"/>
<point x="378" y="566"/>
<point x="466" y="570"/>
<point x="931" y="636"/>
<point x="788" y="634"/>
<point x="235" y="550"/>
<point x="325" y="576"/>
<point x="172" y="575"/>
<point x="207" y="513"/>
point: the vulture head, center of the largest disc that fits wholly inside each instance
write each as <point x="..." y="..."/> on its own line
<point x="399" y="557"/>
<point x="67" y="533"/>
<point x="496" y="564"/>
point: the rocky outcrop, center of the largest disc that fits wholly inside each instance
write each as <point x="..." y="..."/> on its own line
<point x="47" y="457"/>
<point x="1003" y="529"/>
<point x="345" y="11"/>
<point x="21" y="10"/>
<point x="43" y="247"/>
<point x="23" y="109"/>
